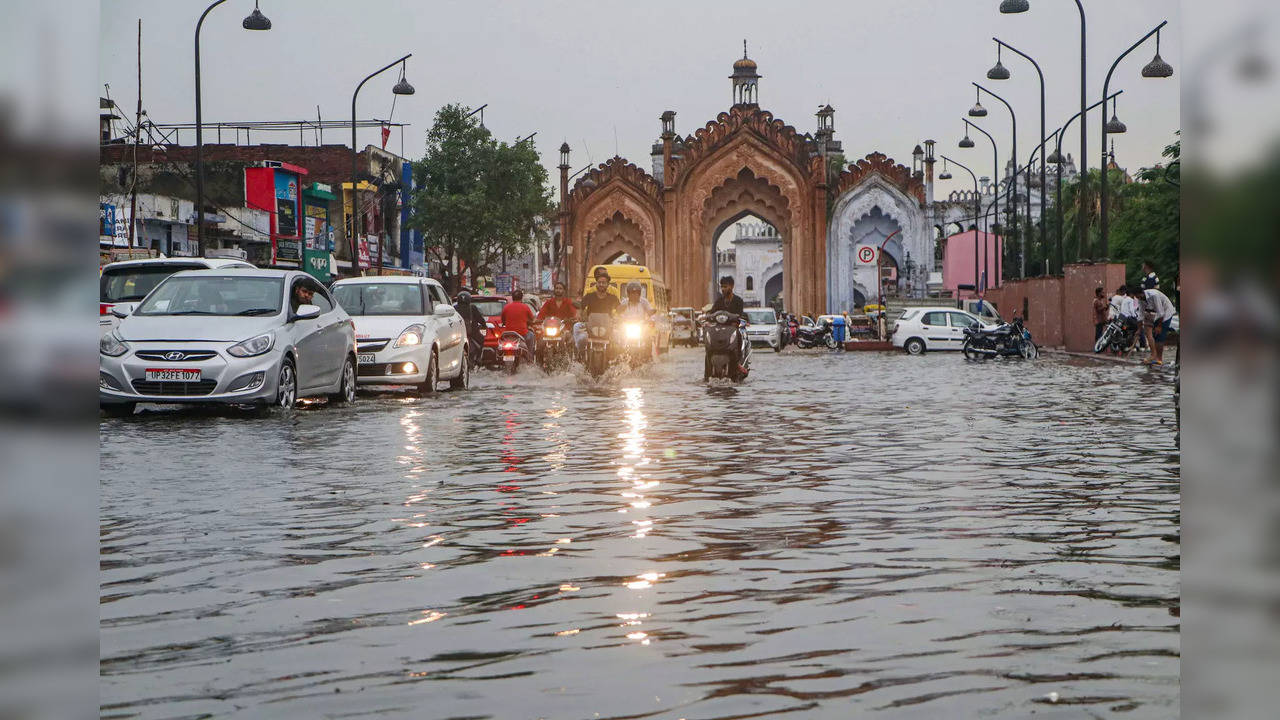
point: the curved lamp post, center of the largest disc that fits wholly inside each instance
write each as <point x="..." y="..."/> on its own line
<point x="254" y="21"/>
<point x="1012" y="186"/>
<point x="401" y="88"/>
<point x="1036" y="65"/>
<point x="995" y="160"/>
<point x="1055" y="158"/>
<point x="1157" y="68"/>
<point x="977" y="212"/>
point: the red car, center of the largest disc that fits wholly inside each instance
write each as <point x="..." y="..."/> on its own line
<point x="491" y="307"/>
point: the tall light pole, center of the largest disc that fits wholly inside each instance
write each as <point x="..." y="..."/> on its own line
<point x="1009" y="7"/>
<point x="1036" y="65"/>
<point x="255" y="21"/>
<point x="1055" y="158"/>
<point x="1157" y="68"/>
<point x="977" y="211"/>
<point x="995" y="161"/>
<point x="401" y="88"/>
<point x="1013" y="186"/>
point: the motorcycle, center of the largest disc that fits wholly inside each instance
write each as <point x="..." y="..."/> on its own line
<point x="636" y="341"/>
<point x="553" y="345"/>
<point x="728" y="351"/>
<point x="813" y="336"/>
<point x="596" y="355"/>
<point x="514" y="350"/>
<point x="1117" y="336"/>
<point x="1008" y="340"/>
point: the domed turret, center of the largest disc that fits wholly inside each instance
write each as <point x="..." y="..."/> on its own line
<point x="745" y="80"/>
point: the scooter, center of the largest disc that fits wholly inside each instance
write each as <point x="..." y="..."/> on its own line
<point x="553" y="345"/>
<point x="596" y="355"/>
<point x="514" y="350"/>
<point x="636" y="342"/>
<point x="728" y="351"/>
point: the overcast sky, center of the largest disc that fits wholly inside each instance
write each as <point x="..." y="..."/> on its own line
<point x="896" y="71"/>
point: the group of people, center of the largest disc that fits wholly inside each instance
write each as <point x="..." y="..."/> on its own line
<point x="1145" y="312"/>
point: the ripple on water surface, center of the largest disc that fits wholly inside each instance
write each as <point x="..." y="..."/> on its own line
<point x="920" y="537"/>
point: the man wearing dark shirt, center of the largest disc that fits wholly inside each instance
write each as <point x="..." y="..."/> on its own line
<point x="599" y="301"/>
<point x="727" y="300"/>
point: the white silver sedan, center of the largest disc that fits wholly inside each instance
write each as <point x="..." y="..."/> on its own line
<point x="243" y="337"/>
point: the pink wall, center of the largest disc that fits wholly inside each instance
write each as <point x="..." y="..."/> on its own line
<point x="957" y="260"/>
<point x="1059" y="310"/>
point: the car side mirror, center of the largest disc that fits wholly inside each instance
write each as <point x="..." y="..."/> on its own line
<point x="443" y="310"/>
<point x="123" y="310"/>
<point x="305" y="312"/>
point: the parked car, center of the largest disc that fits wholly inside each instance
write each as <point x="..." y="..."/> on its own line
<point x="131" y="280"/>
<point x="925" y="329"/>
<point x="232" y="336"/>
<point x="762" y="327"/>
<point x="407" y="332"/>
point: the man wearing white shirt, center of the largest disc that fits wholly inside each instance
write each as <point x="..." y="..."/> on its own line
<point x="1158" y="312"/>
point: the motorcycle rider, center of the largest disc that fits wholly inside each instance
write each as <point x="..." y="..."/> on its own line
<point x="635" y="307"/>
<point x="727" y="300"/>
<point x="517" y="317"/>
<point x="597" y="302"/>
<point x="559" y="306"/>
<point x="476" y="324"/>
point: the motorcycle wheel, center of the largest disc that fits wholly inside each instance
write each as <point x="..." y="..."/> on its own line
<point x="830" y="340"/>
<point x="706" y="367"/>
<point x="1030" y="351"/>
<point x="970" y="352"/>
<point x="1103" y="341"/>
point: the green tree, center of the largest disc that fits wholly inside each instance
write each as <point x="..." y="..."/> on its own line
<point x="476" y="198"/>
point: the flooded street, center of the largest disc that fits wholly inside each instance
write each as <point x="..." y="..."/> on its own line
<point x="921" y="537"/>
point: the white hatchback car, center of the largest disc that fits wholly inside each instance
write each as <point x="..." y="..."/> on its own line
<point x="407" y="332"/>
<point x="131" y="280"/>
<point x="762" y="327"/>
<point x="242" y="337"/>
<point x="932" y="328"/>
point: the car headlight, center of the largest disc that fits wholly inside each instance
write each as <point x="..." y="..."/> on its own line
<point x="633" y="331"/>
<point x="412" y="335"/>
<point x="253" y="346"/>
<point x="112" y="346"/>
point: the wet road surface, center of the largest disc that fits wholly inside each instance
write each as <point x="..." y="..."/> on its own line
<point x="917" y="537"/>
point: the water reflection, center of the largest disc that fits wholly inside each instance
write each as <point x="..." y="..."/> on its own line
<point x="794" y="544"/>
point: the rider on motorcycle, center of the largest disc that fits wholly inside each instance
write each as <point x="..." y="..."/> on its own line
<point x="559" y="306"/>
<point x="635" y="307"/>
<point x="727" y="300"/>
<point x="598" y="301"/>
<point x="476" y="324"/>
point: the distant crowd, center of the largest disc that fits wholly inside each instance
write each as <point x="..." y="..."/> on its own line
<point x="1145" y="316"/>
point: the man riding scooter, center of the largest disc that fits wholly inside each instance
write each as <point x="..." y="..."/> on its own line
<point x="636" y="329"/>
<point x="597" y="302"/>
<point x="730" y="303"/>
<point x="561" y="312"/>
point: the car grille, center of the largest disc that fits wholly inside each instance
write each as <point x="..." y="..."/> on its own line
<point x="187" y="355"/>
<point x="152" y="387"/>
<point x="366" y="346"/>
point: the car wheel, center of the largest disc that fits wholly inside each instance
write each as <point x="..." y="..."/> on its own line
<point x="118" y="410"/>
<point x="347" y="389"/>
<point x="777" y="347"/>
<point x="463" y="381"/>
<point x="428" y="386"/>
<point x="287" y="388"/>
<point x="914" y="346"/>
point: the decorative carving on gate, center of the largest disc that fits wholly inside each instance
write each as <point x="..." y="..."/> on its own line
<point x="788" y="142"/>
<point x="615" y="168"/>
<point x="877" y="163"/>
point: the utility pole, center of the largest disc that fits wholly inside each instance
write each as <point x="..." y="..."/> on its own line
<point x="137" y="140"/>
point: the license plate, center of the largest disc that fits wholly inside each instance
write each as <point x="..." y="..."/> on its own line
<point x="365" y="358"/>
<point x="509" y="358"/>
<point x="170" y="375"/>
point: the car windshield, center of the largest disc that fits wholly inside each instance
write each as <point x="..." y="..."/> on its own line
<point x="761" y="317"/>
<point x="489" y="308"/>
<point x="132" y="282"/>
<point x="215" y="295"/>
<point x="379" y="298"/>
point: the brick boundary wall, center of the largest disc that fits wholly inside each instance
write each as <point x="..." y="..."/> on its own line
<point x="1059" y="310"/>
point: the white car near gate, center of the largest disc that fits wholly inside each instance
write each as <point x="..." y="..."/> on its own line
<point x="407" y="332"/>
<point x="762" y="327"/>
<point x="926" y="329"/>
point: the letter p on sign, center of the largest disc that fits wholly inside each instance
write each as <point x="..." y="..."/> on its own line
<point x="866" y="255"/>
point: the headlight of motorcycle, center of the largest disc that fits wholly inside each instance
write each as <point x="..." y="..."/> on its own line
<point x="722" y="318"/>
<point x="551" y="331"/>
<point x="412" y="335"/>
<point x="253" y="346"/>
<point x="112" y="346"/>
<point x="633" y="331"/>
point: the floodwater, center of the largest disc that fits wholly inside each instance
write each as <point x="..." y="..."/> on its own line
<point x="843" y="533"/>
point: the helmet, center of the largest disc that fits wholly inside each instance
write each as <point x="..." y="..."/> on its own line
<point x="463" y="297"/>
<point x="633" y="287"/>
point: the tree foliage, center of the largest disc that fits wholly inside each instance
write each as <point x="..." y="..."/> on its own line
<point x="476" y="198"/>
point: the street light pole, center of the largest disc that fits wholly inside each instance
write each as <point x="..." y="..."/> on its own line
<point x="401" y="88"/>
<point x="977" y="210"/>
<point x="995" y="159"/>
<point x="1058" y="160"/>
<point x="255" y="21"/>
<point x="1036" y="65"/>
<point x="1012" y="187"/>
<point x="1156" y="68"/>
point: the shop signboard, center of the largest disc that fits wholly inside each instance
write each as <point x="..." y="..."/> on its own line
<point x="288" y="245"/>
<point x="316" y="263"/>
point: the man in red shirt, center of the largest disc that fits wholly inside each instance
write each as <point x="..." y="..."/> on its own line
<point x="559" y="306"/>
<point x="517" y="316"/>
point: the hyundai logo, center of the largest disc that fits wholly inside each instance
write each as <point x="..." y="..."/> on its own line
<point x="174" y="356"/>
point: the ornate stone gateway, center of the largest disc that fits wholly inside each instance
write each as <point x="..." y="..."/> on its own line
<point x="743" y="163"/>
